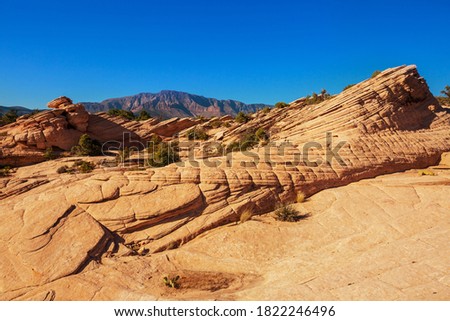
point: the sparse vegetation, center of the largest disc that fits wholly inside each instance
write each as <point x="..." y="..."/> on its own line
<point x="375" y="73"/>
<point x="287" y="213"/>
<point x="348" y="86"/>
<point x="241" y="117"/>
<point x="426" y="172"/>
<point x="122" y="113"/>
<point x="162" y="154"/>
<point x="5" y="171"/>
<point x="197" y="134"/>
<point x="266" y="110"/>
<point x="261" y="134"/>
<point x="62" y="169"/>
<point x="444" y="100"/>
<point x="9" y="117"/>
<point x="281" y="104"/>
<point x="317" y="98"/>
<point x="143" y="115"/>
<point x="49" y="154"/>
<point x="87" y="147"/>
<point x="300" y="197"/>
<point x="172" y="282"/>
<point x="85" y="167"/>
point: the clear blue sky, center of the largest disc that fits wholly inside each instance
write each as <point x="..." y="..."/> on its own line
<point x="253" y="51"/>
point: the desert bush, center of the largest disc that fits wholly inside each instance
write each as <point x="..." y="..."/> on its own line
<point x="266" y="110"/>
<point x="87" y="147"/>
<point x="86" y="167"/>
<point x="5" y="171"/>
<point x="143" y="115"/>
<point x="49" y="154"/>
<point x="241" y="117"/>
<point x="172" y="282"/>
<point x="317" y="98"/>
<point x="426" y="172"/>
<point x="261" y="134"/>
<point x="375" y="73"/>
<point x="122" y="113"/>
<point x="9" y="117"/>
<point x="287" y="213"/>
<point x="162" y="154"/>
<point x="281" y="104"/>
<point x="62" y="169"/>
<point x="348" y="86"/>
<point x="196" y="134"/>
<point x="300" y="197"/>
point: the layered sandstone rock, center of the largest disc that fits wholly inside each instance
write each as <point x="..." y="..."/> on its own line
<point x="387" y="124"/>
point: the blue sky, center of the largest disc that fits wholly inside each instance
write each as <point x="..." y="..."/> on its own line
<point x="253" y="51"/>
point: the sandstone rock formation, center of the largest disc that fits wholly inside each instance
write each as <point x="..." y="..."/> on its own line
<point x="387" y="124"/>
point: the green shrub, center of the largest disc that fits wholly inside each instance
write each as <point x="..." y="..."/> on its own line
<point x="121" y="113"/>
<point x="317" y="98"/>
<point x="9" y="117"/>
<point x="49" y="154"/>
<point x="143" y="115"/>
<point x="287" y="213"/>
<point x="266" y="110"/>
<point x="162" y="154"/>
<point x="196" y="134"/>
<point x="172" y="282"/>
<point x="281" y="104"/>
<point x="5" y="171"/>
<point x="348" y="86"/>
<point x="375" y="73"/>
<point x="261" y="134"/>
<point x="241" y="117"/>
<point x="62" y="169"/>
<point x="87" y="147"/>
<point x="86" y="167"/>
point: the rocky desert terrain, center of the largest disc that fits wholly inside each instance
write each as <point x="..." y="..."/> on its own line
<point x="367" y="170"/>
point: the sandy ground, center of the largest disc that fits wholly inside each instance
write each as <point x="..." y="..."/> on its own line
<point x="379" y="239"/>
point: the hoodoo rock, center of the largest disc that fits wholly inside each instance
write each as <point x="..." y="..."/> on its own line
<point x="382" y="125"/>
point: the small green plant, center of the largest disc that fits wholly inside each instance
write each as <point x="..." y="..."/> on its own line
<point x="122" y="113"/>
<point x="426" y="172"/>
<point x="281" y="104"/>
<point x="375" y="73"/>
<point x="5" y="171"/>
<point x="162" y="154"/>
<point x="49" y="154"/>
<point x="241" y="117"/>
<point x="143" y="115"/>
<point x="9" y="117"/>
<point x="261" y="134"/>
<point x="317" y="98"/>
<point x="62" y="169"/>
<point x="172" y="282"/>
<point x="196" y="134"/>
<point x="87" y="147"/>
<point x="287" y="213"/>
<point x="266" y="110"/>
<point x="348" y="86"/>
<point x="85" y="167"/>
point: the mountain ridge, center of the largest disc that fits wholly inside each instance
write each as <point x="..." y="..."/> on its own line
<point x="171" y="103"/>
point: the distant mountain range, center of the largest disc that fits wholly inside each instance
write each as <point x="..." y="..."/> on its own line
<point x="20" y="110"/>
<point x="169" y="103"/>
